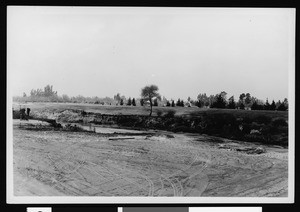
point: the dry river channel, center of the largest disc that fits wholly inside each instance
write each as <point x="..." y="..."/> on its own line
<point x="60" y="163"/>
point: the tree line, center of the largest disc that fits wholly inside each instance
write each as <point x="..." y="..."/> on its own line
<point x="151" y="97"/>
<point x="245" y="101"/>
<point x="47" y="94"/>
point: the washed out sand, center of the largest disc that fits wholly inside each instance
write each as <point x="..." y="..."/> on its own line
<point x="57" y="163"/>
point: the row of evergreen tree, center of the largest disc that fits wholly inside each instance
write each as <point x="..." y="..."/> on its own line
<point x="246" y="101"/>
<point x="129" y="102"/>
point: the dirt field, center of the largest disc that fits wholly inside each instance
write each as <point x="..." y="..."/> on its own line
<point x="48" y="163"/>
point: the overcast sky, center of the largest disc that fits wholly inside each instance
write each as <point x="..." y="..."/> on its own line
<point x="94" y="51"/>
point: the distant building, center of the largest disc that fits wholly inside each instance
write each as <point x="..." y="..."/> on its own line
<point x="187" y="104"/>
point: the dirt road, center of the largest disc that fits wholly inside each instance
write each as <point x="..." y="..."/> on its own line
<point x="86" y="164"/>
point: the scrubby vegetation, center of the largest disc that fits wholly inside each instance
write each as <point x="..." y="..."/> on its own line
<point x="170" y="114"/>
<point x="259" y="128"/>
<point x="265" y="127"/>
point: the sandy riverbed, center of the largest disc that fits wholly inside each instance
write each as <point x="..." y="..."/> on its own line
<point x="54" y="163"/>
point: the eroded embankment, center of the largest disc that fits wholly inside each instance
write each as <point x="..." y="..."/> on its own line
<point x="261" y="129"/>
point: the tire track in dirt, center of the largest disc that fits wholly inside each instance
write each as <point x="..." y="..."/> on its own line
<point x="162" y="181"/>
<point x="156" y="175"/>
<point x="191" y="168"/>
<point x="52" y="177"/>
<point x="60" y="166"/>
<point x="172" y="179"/>
<point x="63" y="159"/>
<point x="153" y="183"/>
<point x="176" y="185"/>
<point x="156" y="167"/>
<point x="123" y="176"/>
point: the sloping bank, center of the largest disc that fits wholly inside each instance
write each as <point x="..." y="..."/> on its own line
<point x="262" y="129"/>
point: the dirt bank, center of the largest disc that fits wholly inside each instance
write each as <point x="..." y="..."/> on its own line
<point x="263" y="129"/>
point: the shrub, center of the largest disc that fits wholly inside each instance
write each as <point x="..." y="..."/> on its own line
<point x="247" y="120"/>
<point x="128" y="120"/>
<point x="269" y="130"/>
<point x="281" y="139"/>
<point x="74" y="128"/>
<point x="246" y="128"/>
<point x="183" y="128"/>
<point x="262" y="119"/>
<point x="255" y="138"/>
<point x="83" y="113"/>
<point x="279" y="122"/>
<point x="256" y="126"/>
<point x="219" y="120"/>
<point x="170" y="114"/>
<point x="16" y="114"/>
<point x="159" y="113"/>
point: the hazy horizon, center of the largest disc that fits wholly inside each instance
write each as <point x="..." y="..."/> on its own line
<point x="94" y="51"/>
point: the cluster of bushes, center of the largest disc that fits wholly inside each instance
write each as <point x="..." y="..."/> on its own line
<point x="167" y="114"/>
<point x="74" y="128"/>
<point x="261" y="128"/>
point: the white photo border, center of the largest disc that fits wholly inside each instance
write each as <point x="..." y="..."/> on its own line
<point x="11" y="199"/>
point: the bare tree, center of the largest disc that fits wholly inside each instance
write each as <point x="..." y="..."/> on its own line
<point x="148" y="93"/>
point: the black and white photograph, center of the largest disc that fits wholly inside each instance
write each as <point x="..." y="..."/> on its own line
<point x="150" y="104"/>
